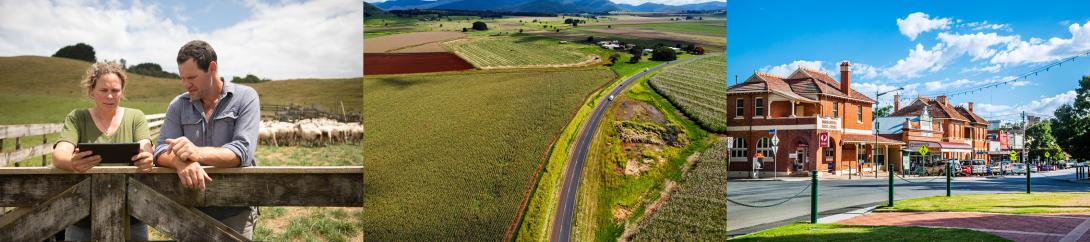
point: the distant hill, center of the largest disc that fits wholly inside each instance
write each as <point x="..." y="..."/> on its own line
<point x="37" y="89"/>
<point x="370" y="9"/>
<point x="547" y="6"/>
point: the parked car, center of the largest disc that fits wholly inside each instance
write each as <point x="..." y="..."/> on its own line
<point x="995" y="168"/>
<point x="1018" y="168"/>
<point x="973" y="167"/>
<point x="1032" y="168"/>
<point x="1082" y="164"/>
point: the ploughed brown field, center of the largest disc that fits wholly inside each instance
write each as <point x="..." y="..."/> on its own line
<point x="401" y="63"/>
<point x="410" y="42"/>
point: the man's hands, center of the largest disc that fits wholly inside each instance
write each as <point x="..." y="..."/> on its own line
<point x="83" y="161"/>
<point x="142" y="160"/>
<point x="185" y="150"/>
<point x="193" y="176"/>
<point x="187" y="157"/>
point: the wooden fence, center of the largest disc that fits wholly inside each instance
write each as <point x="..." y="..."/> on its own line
<point x="49" y="199"/>
<point x="292" y="113"/>
<point x="19" y="131"/>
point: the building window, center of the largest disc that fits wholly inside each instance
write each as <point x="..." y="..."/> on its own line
<point x="764" y="146"/>
<point x="759" y="107"/>
<point x="738" y="152"/>
<point x="739" y="107"/>
<point x="880" y="157"/>
<point x="860" y="114"/>
<point x="836" y="109"/>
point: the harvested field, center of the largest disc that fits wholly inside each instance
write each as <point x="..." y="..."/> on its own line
<point x="410" y="42"/>
<point x="399" y="63"/>
<point x="660" y="35"/>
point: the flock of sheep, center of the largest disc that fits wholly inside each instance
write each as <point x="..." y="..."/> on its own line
<point x="313" y="132"/>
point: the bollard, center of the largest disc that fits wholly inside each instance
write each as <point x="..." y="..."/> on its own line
<point x="1028" y="171"/>
<point x="813" y="196"/>
<point x="948" y="178"/>
<point x="890" y="186"/>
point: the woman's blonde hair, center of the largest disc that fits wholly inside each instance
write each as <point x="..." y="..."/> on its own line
<point x="102" y="68"/>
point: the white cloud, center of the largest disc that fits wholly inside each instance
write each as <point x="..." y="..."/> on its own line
<point x="871" y="88"/>
<point x="1019" y="83"/>
<point x="946" y="84"/>
<point x="977" y="45"/>
<point x="786" y="69"/>
<point x="1037" y="50"/>
<point x="918" y="61"/>
<point x="980" y="26"/>
<point x="990" y="69"/>
<point x="918" y="22"/>
<point x="315" y="39"/>
<point x="1045" y="106"/>
<point x="864" y="71"/>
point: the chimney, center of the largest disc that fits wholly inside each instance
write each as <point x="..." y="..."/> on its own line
<point x="846" y="78"/>
<point x="941" y="99"/>
<point x="896" y="102"/>
<point x="970" y="107"/>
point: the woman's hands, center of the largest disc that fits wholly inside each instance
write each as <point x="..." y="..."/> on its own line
<point x="142" y="160"/>
<point x="83" y="161"/>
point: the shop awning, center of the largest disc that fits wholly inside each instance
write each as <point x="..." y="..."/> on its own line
<point x="869" y="139"/>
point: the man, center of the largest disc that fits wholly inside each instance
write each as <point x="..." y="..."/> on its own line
<point x="214" y="123"/>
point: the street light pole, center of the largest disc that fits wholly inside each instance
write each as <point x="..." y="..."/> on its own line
<point x="874" y="154"/>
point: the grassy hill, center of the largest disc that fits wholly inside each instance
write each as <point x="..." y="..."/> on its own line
<point x="35" y="89"/>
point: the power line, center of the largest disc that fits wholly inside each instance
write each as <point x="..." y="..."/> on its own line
<point x="1022" y="76"/>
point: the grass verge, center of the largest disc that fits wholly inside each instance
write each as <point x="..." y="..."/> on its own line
<point x="840" y="232"/>
<point x="1012" y="203"/>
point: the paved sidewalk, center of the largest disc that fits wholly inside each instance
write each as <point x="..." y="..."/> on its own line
<point x="1069" y="227"/>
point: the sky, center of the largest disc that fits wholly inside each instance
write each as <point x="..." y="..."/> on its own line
<point x="270" y="39"/>
<point x="633" y="2"/>
<point x="929" y="48"/>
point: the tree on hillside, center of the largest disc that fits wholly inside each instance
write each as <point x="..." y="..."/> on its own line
<point x="663" y="54"/>
<point x="78" y="51"/>
<point x="613" y="58"/>
<point x="590" y="39"/>
<point x="698" y="51"/>
<point x="1041" y="141"/>
<point x="635" y="59"/>
<point x="151" y="69"/>
<point x="1072" y="123"/>
<point x="465" y="30"/>
<point x="250" y="78"/>
<point x="481" y="26"/>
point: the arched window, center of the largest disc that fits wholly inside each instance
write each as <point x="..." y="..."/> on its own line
<point x="764" y="146"/>
<point x="738" y="152"/>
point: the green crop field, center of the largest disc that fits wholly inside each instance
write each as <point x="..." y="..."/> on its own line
<point x="451" y="156"/>
<point x="708" y="27"/>
<point x="516" y="52"/>
<point x="696" y="211"/>
<point x="699" y="89"/>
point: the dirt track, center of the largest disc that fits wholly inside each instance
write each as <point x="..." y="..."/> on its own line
<point x="401" y="63"/>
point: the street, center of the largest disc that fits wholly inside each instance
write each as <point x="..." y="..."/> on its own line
<point x="839" y="194"/>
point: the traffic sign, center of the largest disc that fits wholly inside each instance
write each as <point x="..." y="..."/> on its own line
<point x="772" y="131"/>
<point x="922" y="150"/>
<point x="823" y="138"/>
<point x="1014" y="156"/>
<point x="775" y="140"/>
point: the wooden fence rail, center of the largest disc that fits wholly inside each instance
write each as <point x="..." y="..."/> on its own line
<point x="50" y="199"/>
<point x="44" y="149"/>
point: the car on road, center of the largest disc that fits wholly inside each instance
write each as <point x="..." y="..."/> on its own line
<point x="611" y="97"/>
<point x="1082" y="164"/>
<point x="1018" y="168"/>
<point x="979" y="167"/>
<point x="995" y="168"/>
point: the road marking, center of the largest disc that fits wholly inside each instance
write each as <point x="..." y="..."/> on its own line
<point x="1077" y="233"/>
<point x="844" y="216"/>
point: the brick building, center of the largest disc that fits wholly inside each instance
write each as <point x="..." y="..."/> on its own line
<point x="948" y="131"/>
<point x="801" y="108"/>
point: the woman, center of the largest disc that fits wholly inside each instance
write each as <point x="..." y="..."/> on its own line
<point x="106" y="122"/>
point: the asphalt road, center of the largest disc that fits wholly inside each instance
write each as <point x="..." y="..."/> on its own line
<point x="836" y="196"/>
<point x="562" y="219"/>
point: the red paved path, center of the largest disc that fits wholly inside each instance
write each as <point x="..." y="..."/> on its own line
<point x="1070" y="227"/>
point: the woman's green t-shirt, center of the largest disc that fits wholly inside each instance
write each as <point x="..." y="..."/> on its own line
<point x="79" y="127"/>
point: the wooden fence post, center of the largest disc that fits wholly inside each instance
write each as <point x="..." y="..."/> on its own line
<point x="109" y="218"/>
<point x="17" y="149"/>
<point x="44" y="141"/>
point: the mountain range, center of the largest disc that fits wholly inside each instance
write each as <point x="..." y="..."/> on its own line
<point x="546" y="6"/>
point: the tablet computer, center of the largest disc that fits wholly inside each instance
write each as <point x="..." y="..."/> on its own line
<point x="112" y="153"/>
